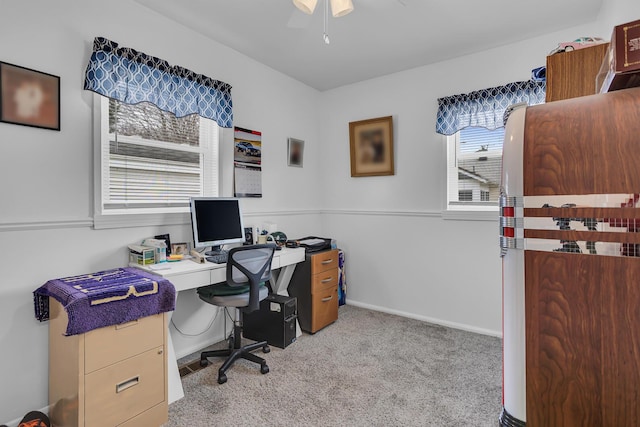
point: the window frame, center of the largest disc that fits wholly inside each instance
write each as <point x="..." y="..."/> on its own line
<point x="132" y="217"/>
<point x="479" y="211"/>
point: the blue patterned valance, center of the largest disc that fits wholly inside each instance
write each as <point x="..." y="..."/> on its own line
<point x="131" y="77"/>
<point x="485" y="108"/>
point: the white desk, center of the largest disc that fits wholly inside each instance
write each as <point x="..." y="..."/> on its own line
<point x="187" y="275"/>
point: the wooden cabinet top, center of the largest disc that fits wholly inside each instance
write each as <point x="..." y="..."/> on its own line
<point x="573" y="74"/>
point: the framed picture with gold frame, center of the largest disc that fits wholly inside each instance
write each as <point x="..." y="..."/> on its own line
<point x="372" y="147"/>
<point x="29" y="97"/>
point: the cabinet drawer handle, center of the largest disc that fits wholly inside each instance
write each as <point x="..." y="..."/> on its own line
<point x="329" y="298"/>
<point x="327" y="280"/>
<point x="328" y="261"/>
<point x="127" y="384"/>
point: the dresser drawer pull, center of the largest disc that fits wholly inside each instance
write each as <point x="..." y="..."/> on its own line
<point x="327" y="280"/>
<point x="327" y="261"/>
<point x="329" y="298"/>
<point x="127" y="384"/>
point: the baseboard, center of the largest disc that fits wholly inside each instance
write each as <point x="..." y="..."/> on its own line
<point x="14" y="423"/>
<point x="427" y="319"/>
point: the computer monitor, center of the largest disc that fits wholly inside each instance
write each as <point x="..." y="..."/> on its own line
<point x="216" y="221"/>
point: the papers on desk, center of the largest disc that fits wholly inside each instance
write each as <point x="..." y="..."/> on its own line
<point x="311" y="242"/>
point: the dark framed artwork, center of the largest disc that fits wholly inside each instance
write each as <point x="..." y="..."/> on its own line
<point x="295" y="152"/>
<point x="29" y="97"/>
<point x="372" y="147"/>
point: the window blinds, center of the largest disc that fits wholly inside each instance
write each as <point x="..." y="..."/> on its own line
<point x="475" y="166"/>
<point x="153" y="159"/>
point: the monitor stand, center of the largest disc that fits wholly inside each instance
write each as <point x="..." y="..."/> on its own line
<point x="215" y="250"/>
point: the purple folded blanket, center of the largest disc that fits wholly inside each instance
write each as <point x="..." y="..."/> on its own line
<point x="106" y="298"/>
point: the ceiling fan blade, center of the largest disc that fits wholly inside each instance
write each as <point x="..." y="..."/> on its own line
<point x="299" y="20"/>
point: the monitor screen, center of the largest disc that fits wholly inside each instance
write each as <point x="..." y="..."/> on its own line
<point x="216" y="221"/>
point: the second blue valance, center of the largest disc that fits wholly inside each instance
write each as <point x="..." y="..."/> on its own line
<point x="131" y="77"/>
<point x="485" y="108"/>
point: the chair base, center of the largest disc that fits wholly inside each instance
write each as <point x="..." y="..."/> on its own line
<point x="235" y="352"/>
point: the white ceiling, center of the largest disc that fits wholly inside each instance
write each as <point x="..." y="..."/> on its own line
<point x="379" y="37"/>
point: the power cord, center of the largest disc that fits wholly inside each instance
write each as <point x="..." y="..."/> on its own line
<point x="215" y="316"/>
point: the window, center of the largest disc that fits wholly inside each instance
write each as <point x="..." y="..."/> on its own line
<point x="474" y="153"/>
<point x="465" y="195"/>
<point x="474" y="168"/>
<point x="152" y="162"/>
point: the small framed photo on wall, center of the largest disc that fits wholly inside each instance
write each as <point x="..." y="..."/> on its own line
<point x="372" y="147"/>
<point x="295" y="152"/>
<point x="29" y="97"/>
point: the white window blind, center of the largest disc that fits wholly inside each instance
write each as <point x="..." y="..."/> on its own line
<point x="474" y="167"/>
<point x="153" y="161"/>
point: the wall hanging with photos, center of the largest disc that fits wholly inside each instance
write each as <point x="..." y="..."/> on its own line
<point x="247" y="162"/>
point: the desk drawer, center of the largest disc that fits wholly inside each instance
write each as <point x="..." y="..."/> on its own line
<point x="105" y="346"/>
<point x="322" y="281"/>
<point x="324" y="261"/>
<point x="126" y="389"/>
<point x="324" y="308"/>
<point x="191" y="280"/>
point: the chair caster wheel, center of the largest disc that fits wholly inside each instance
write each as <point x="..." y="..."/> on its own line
<point x="266" y="349"/>
<point x="204" y="363"/>
<point x="222" y="378"/>
<point x="264" y="369"/>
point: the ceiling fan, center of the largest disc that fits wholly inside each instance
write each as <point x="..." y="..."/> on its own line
<point x="338" y="8"/>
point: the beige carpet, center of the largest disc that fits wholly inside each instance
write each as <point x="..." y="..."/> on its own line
<point x="367" y="369"/>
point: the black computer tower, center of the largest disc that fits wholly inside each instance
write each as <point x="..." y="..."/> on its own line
<point x="275" y="322"/>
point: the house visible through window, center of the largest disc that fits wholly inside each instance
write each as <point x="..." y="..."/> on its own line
<point x="153" y="162"/>
<point x="465" y="195"/>
<point x="474" y="167"/>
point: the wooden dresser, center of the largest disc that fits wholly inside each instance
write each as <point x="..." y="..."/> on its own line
<point x="112" y="376"/>
<point x="315" y="285"/>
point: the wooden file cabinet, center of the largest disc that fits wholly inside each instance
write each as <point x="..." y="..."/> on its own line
<point x="315" y="285"/>
<point x="112" y="376"/>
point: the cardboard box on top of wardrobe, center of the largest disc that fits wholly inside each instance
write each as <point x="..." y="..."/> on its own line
<point x="621" y="66"/>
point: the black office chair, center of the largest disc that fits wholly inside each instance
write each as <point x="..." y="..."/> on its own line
<point x="248" y="269"/>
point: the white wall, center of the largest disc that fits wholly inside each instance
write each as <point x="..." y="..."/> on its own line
<point x="47" y="176"/>
<point x="616" y="12"/>
<point x="402" y="256"/>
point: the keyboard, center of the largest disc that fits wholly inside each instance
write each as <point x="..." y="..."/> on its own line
<point x="218" y="258"/>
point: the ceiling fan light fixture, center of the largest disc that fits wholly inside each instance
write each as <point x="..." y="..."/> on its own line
<point x="307" y="6"/>
<point x="340" y="7"/>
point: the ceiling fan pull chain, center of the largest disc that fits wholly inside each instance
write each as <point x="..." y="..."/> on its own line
<point x="325" y="35"/>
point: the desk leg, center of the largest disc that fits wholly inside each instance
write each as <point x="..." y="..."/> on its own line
<point x="282" y="280"/>
<point x="175" y="391"/>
